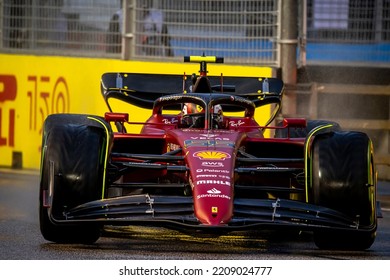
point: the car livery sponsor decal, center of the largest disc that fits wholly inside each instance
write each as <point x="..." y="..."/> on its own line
<point x="225" y="132"/>
<point x="206" y="170"/>
<point x="207" y="176"/>
<point x="170" y="121"/>
<point x="213" y="155"/>
<point x="213" y="182"/>
<point x="170" y="98"/>
<point x="216" y="164"/>
<point x="207" y="137"/>
<point x="208" y="143"/>
<point x="213" y="193"/>
<point x="236" y="124"/>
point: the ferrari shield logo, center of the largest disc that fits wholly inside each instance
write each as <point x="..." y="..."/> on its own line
<point x="214" y="210"/>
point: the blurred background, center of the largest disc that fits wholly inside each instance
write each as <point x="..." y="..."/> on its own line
<point x="245" y="31"/>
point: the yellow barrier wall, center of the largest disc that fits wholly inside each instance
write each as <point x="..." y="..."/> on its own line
<point x="32" y="87"/>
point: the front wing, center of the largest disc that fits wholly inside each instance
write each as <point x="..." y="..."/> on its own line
<point x="177" y="211"/>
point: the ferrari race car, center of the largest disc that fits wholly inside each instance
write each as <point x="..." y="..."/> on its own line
<point x="202" y="163"/>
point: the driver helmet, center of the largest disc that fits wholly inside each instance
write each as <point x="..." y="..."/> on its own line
<point x="191" y="108"/>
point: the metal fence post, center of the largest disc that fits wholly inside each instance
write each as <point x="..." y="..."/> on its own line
<point x="128" y="31"/>
<point x="288" y="52"/>
<point x="32" y="24"/>
<point x="1" y="23"/>
<point x="302" y="33"/>
<point x="378" y="17"/>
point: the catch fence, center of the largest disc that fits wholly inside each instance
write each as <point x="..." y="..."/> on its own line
<point x="243" y="31"/>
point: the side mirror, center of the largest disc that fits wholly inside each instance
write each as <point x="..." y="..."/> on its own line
<point x="294" y="122"/>
<point x="116" y="117"/>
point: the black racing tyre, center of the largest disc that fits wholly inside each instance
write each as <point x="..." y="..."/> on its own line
<point x="76" y="150"/>
<point x="343" y="179"/>
<point x="303" y="132"/>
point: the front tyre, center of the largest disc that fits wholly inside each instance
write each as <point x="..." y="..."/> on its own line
<point x="73" y="158"/>
<point x="344" y="179"/>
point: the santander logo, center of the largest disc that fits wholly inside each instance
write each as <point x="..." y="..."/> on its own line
<point x="214" y="191"/>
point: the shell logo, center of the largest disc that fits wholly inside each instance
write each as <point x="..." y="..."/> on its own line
<point x="211" y="155"/>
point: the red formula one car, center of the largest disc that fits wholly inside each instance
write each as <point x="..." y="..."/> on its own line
<point x="201" y="162"/>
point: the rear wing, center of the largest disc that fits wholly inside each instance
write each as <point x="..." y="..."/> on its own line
<point x="143" y="89"/>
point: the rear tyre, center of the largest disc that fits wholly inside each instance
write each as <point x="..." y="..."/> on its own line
<point x="343" y="179"/>
<point x="76" y="150"/>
